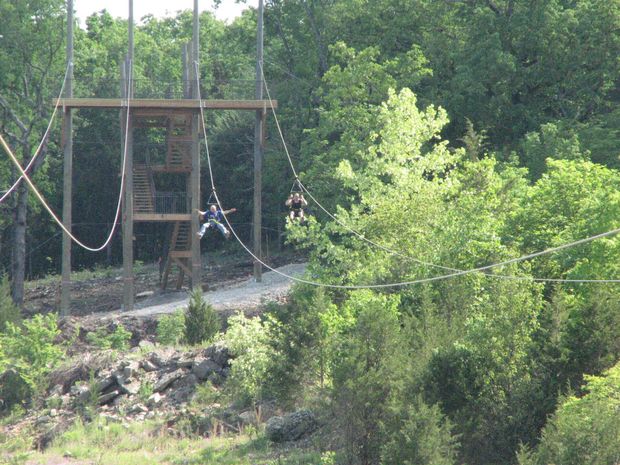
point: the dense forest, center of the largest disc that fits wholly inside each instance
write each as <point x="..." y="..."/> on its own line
<point x="454" y="134"/>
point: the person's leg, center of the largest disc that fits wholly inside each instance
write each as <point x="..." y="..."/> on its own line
<point x="291" y="215"/>
<point x="203" y="229"/>
<point x="302" y="218"/>
<point x="223" y="230"/>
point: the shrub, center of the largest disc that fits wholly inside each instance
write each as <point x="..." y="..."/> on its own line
<point x="201" y="321"/>
<point x="249" y="341"/>
<point x="582" y="430"/>
<point x="118" y="339"/>
<point x="9" y="312"/>
<point x="31" y="352"/>
<point x="171" y="328"/>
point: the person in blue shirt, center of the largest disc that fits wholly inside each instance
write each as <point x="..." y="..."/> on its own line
<point x="214" y="218"/>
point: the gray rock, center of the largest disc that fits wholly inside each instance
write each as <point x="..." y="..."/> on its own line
<point x="110" y="396"/>
<point x="42" y="420"/>
<point x="182" y="394"/>
<point x="205" y="368"/>
<point x="248" y="417"/>
<point x="219" y="353"/>
<point x="146" y="345"/>
<point x="167" y="380"/>
<point x="157" y="359"/>
<point x="130" y="370"/>
<point x="291" y="427"/>
<point x="184" y="363"/>
<point x="138" y="408"/>
<point x="187" y="381"/>
<point x="154" y="400"/>
<point x="106" y="383"/>
<point x="56" y="391"/>
<point x="148" y="366"/>
<point x="81" y="391"/>
<point x="130" y="388"/>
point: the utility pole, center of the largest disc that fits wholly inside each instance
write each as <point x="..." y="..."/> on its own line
<point x="259" y="148"/>
<point x="67" y="218"/>
<point x="195" y="172"/>
<point x="128" y="279"/>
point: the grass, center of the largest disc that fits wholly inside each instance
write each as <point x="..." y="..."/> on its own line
<point x="148" y="444"/>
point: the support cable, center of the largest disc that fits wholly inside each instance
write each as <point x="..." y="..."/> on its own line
<point x="456" y="271"/>
<point x="122" y="187"/>
<point x="43" y="140"/>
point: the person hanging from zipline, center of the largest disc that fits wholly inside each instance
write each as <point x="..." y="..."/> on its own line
<point x="296" y="204"/>
<point x="214" y="218"/>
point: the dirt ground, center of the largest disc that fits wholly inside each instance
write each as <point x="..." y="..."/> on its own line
<point x="225" y="281"/>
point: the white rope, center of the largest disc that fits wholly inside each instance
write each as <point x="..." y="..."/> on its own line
<point x="45" y="135"/>
<point x="122" y="187"/>
<point x="456" y="271"/>
<point x="387" y="285"/>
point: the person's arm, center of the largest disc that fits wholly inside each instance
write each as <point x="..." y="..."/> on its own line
<point x="289" y="201"/>
<point x="232" y="210"/>
<point x="303" y="201"/>
<point x="201" y="214"/>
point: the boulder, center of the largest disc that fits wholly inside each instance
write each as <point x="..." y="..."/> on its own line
<point x="219" y="353"/>
<point x="205" y="368"/>
<point x="291" y="427"/>
<point x="110" y="396"/>
<point x="167" y="380"/>
<point x="154" y="400"/>
<point x="148" y="366"/>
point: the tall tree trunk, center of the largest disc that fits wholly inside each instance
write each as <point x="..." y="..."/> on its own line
<point x="19" y="244"/>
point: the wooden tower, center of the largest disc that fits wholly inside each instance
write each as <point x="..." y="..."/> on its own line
<point x="143" y="201"/>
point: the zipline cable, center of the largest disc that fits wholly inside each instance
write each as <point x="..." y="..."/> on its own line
<point x="403" y="283"/>
<point x="122" y="187"/>
<point x="456" y="271"/>
<point x="45" y="135"/>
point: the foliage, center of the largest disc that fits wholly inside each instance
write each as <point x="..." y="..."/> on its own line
<point x="32" y="352"/>
<point x="583" y="429"/>
<point x="171" y="328"/>
<point x="422" y="436"/>
<point x="115" y="340"/>
<point x="366" y="373"/>
<point x="9" y="312"/>
<point x="249" y="341"/>
<point x="201" y="320"/>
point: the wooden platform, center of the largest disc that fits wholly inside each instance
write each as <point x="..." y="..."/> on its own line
<point x="162" y="217"/>
<point x="166" y="104"/>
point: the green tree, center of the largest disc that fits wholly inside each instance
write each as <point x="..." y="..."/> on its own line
<point x="583" y="429"/>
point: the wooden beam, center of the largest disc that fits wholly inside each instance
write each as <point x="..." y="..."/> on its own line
<point x="67" y="206"/>
<point x="128" y="213"/>
<point x="139" y="104"/>
<point x="162" y="217"/>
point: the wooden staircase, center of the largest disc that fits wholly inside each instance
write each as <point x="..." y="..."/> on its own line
<point x="143" y="190"/>
<point x="179" y="253"/>
<point x="179" y="137"/>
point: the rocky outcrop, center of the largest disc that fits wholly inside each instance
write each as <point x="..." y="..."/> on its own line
<point x="139" y="386"/>
<point x="291" y="427"/>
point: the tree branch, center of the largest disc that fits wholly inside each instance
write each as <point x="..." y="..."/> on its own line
<point x="494" y="7"/>
<point x="9" y="111"/>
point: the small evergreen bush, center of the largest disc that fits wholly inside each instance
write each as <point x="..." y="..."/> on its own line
<point x="201" y="321"/>
<point x="171" y="328"/>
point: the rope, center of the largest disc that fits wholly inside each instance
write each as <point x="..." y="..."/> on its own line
<point x="402" y="283"/>
<point x="456" y="271"/>
<point x="122" y="187"/>
<point x="45" y="135"/>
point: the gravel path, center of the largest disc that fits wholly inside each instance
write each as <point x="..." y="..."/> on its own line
<point x="245" y="294"/>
